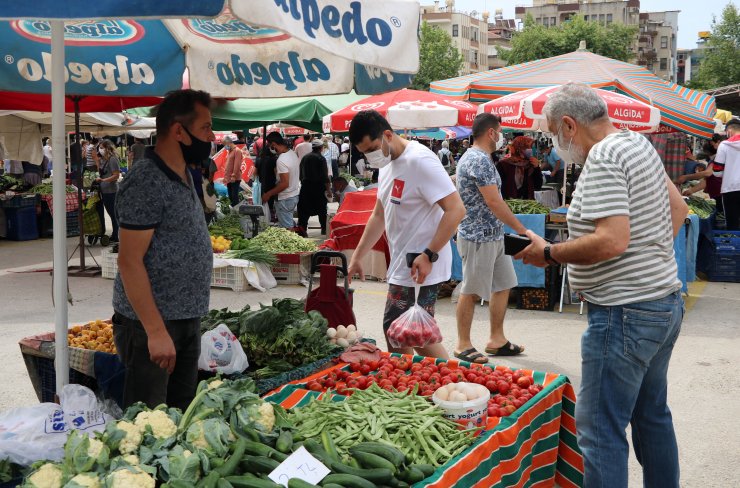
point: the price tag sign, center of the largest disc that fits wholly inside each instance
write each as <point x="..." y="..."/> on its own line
<point x="302" y="465"/>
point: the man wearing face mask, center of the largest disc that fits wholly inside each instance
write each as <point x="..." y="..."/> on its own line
<point x="288" y="187"/>
<point x="622" y="221"/>
<point x="233" y="170"/>
<point x="419" y="210"/>
<point x="487" y="272"/>
<point x="165" y="259"/>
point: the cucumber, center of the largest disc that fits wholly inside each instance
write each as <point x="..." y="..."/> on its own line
<point x="370" y="460"/>
<point x="259" y="449"/>
<point x="376" y="475"/>
<point x="317" y="451"/>
<point x="396" y="483"/>
<point x="296" y="483"/>
<point x="411" y="475"/>
<point x="284" y="442"/>
<point x="386" y="451"/>
<point x="332" y="485"/>
<point x="329" y="446"/>
<point x="209" y="481"/>
<point x="247" y="481"/>
<point x="230" y="466"/>
<point x="259" y="464"/>
<point x="427" y="469"/>
<point x="348" y="481"/>
<point x="223" y="483"/>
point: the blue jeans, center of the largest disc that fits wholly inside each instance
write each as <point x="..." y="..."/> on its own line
<point x="625" y="354"/>
<point x="285" y="209"/>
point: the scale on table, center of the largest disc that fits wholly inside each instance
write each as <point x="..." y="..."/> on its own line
<point x="254" y="212"/>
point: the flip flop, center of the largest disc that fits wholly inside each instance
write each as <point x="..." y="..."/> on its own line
<point x="507" y="349"/>
<point x="472" y="356"/>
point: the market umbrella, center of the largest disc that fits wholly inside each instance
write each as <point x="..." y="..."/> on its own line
<point x="683" y="109"/>
<point x="407" y="109"/>
<point x="524" y="110"/>
<point x="442" y="133"/>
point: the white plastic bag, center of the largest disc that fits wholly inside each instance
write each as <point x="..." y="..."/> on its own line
<point x="30" y="434"/>
<point x="221" y="352"/>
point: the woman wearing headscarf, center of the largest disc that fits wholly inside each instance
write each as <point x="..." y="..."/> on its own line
<point x="520" y="172"/>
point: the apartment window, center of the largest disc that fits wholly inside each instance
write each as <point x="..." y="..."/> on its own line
<point x="552" y="21"/>
<point x="663" y="64"/>
<point x="539" y="20"/>
<point x="474" y="56"/>
<point x="585" y="17"/>
<point x="546" y="22"/>
<point x="475" y="35"/>
<point x="455" y="28"/>
<point x="664" y="42"/>
<point x="608" y="19"/>
<point x="601" y="18"/>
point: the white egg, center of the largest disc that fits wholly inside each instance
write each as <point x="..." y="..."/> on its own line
<point x="352" y="337"/>
<point x="352" y="328"/>
<point x="443" y="394"/>
<point x="331" y="333"/>
<point x="342" y="342"/>
<point x="341" y="331"/>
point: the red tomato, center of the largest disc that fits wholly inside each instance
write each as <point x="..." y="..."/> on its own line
<point x="424" y="376"/>
<point x="427" y="361"/>
<point x="456" y="378"/>
<point x="493" y="412"/>
<point x="471" y="377"/>
<point x="314" y="386"/>
<point x="394" y="362"/>
<point x="385" y="383"/>
<point x="365" y="369"/>
<point x="330" y="383"/>
<point x="491" y="385"/>
<point x="433" y="368"/>
<point x="361" y="382"/>
<point x="517" y="403"/>
<point x="445" y="371"/>
<point x="416" y="367"/>
<point x="533" y="390"/>
<point x="503" y="387"/>
<point x="516" y="375"/>
<point x="510" y="408"/>
<point x="500" y="400"/>
<point x="355" y="366"/>
<point x="402" y="388"/>
<point x="403" y="379"/>
<point x="524" y="381"/>
<point x="373" y="365"/>
<point x="446" y="380"/>
<point x="404" y="364"/>
<point x="370" y="380"/>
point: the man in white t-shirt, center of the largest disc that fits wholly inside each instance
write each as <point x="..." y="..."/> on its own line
<point x="419" y="210"/>
<point x="728" y="154"/>
<point x="289" y="185"/>
<point x="304" y="147"/>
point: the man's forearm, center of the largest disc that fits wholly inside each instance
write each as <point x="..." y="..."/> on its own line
<point x="502" y="212"/>
<point x="446" y="228"/>
<point x="588" y="249"/>
<point x="373" y="231"/>
<point x="138" y="290"/>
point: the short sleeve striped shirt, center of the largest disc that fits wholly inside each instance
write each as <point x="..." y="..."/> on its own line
<point x="624" y="175"/>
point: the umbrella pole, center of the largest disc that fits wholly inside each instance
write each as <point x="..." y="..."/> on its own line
<point x="60" y="224"/>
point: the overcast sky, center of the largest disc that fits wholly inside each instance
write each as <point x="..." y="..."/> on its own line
<point x="695" y="16"/>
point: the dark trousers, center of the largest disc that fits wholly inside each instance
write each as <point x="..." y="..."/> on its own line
<point x="731" y="203"/>
<point x="304" y="215"/>
<point x="108" y="202"/>
<point x="335" y="168"/>
<point x="147" y="382"/>
<point x="233" y="189"/>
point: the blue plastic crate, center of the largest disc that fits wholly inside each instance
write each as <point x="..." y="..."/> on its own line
<point x="21" y="223"/>
<point x="724" y="267"/>
<point x="73" y="224"/>
<point x="20" y="201"/>
<point x="726" y="241"/>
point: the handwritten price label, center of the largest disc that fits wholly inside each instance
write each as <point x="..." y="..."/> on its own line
<point x="302" y="465"/>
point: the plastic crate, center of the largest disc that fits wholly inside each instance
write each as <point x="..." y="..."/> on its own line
<point x="724" y="267"/>
<point x="726" y="241"/>
<point x="21" y="201"/>
<point x="73" y="224"/>
<point x="109" y="264"/>
<point x="21" y="223"/>
<point x="287" y="271"/>
<point x="229" y="277"/>
<point x="43" y="377"/>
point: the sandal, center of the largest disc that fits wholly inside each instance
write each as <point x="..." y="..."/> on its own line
<point x="472" y="356"/>
<point x="507" y="349"/>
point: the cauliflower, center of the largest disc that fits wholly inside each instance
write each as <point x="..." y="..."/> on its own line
<point x="95" y="448"/>
<point x="84" y="480"/>
<point x="266" y="419"/>
<point x="215" y="384"/>
<point x="47" y="476"/>
<point x="162" y="425"/>
<point x="133" y="438"/>
<point x="211" y="435"/>
<point x="131" y="459"/>
<point x="129" y="478"/>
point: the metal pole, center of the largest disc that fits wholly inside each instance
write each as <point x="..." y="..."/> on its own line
<point x="80" y="182"/>
<point x="59" y="196"/>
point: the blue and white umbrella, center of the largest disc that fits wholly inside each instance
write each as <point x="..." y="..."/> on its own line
<point x="236" y="48"/>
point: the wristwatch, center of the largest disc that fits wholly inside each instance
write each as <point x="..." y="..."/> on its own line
<point x="433" y="256"/>
<point x="548" y="258"/>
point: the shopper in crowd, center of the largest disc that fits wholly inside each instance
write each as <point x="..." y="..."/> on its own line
<point x="48" y="154"/>
<point x="165" y="259"/>
<point x="344" y="157"/>
<point x="288" y="186"/>
<point x="445" y="156"/>
<point x="91" y="158"/>
<point x="109" y="171"/>
<point x="303" y="147"/>
<point x="233" y="170"/>
<point x="341" y="187"/>
<point x="315" y="187"/>
<point x="419" y="211"/>
<point x="520" y="172"/>
<point x="136" y="152"/>
<point x="622" y="222"/>
<point x="326" y="153"/>
<point x="710" y="178"/>
<point x="728" y="158"/>
<point x="334" y="156"/>
<point x="33" y="173"/>
<point x="266" y="169"/>
<point x="488" y="273"/>
<point x="553" y="163"/>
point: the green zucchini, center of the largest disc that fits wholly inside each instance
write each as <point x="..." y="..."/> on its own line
<point x="348" y="481"/>
<point x="370" y="460"/>
<point x="284" y="442"/>
<point x="376" y="475"/>
<point x="385" y="451"/>
<point x="248" y="481"/>
<point x="427" y="469"/>
<point x="259" y="464"/>
<point x="411" y="475"/>
<point x="296" y="483"/>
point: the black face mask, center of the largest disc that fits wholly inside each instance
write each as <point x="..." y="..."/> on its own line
<point x="197" y="151"/>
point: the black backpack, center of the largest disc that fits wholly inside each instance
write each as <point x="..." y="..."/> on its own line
<point x="445" y="159"/>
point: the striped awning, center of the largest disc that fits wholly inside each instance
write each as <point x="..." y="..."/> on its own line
<point x="683" y="109"/>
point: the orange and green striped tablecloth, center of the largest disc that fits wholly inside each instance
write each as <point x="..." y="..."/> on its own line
<point x="533" y="447"/>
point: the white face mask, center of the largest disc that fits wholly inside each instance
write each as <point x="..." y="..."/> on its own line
<point x="571" y="155"/>
<point x="500" y="141"/>
<point x="101" y="151"/>
<point x="378" y="159"/>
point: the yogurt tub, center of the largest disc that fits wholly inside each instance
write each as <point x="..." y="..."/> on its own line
<point x="471" y="414"/>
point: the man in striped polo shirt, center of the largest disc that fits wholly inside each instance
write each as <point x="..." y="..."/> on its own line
<point x="622" y="221"/>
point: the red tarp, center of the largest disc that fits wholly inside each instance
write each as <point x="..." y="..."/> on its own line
<point x="220" y="159"/>
<point x="348" y="224"/>
<point x="42" y="102"/>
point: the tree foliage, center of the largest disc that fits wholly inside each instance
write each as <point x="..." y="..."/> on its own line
<point x="535" y="41"/>
<point x="439" y="59"/>
<point x="721" y="65"/>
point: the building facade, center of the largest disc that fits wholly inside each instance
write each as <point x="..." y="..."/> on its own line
<point x="469" y="32"/>
<point x="655" y="45"/>
<point x="690" y="59"/>
<point x="500" y="32"/>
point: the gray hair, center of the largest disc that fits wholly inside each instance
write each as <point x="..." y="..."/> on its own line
<point x="445" y="144"/>
<point x="578" y="101"/>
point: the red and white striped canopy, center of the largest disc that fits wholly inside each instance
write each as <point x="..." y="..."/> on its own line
<point x="525" y="110"/>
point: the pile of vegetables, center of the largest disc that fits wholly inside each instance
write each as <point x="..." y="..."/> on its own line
<point x="220" y="244"/>
<point x="344" y="336"/>
<point x="46" y="189"/>
<point x="96" y="336"/>
<point x="11" y="183"/>
<point x="276" y="338"/>
<point x="282" y="241"/>
<point x="527" y="207"/>
<point x="88" y="178"/>
<point x="227" y="227"/>
<point x="359" y="180"/>
<point x="701" y="207"/>
<point x="9" y="471"/>
<point x="409" y="422"/>
<point x="249" y="250"/>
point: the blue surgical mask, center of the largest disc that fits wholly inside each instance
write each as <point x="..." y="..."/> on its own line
<point x="527" y="153"/>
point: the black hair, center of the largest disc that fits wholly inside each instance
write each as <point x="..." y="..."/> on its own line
<point x="338" y="179"/>
<point x="306" y="137"/>
<point x="483" y="122"/>
<point x="717" y="138"/>
<point x="179" y="106"/>
<point x="275" y="137"/>
<point x="732" y="122"/>
<point x="367" y="123"/>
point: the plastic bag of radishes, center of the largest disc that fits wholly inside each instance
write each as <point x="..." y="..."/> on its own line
<point x="414" y="328"/>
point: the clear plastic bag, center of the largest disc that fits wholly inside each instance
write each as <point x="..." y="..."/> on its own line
<point x="414" y="328"/>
